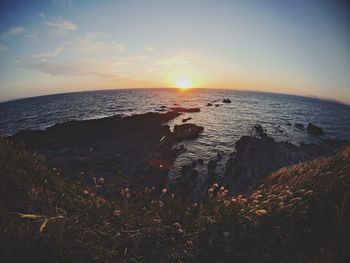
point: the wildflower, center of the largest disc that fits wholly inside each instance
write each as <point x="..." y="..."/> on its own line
<point x="172" y="195"/>
<point x="86" y="192"/>
<point x="210" y="190"/>
<point x="261" y="212"/>
<point x="243" y="200"/>
<point x="227" y="202"/>
<point x="101" y="180"/>
<point x="164" y="190"/>
<point x="125" y="192"/>
<point x="94" y="179"/>
<point x="215" y="185"/>
<point x="176" y="225"/>
<point x="222" y="188"/>
<point x="101" y="201"/>
<point x="117" y="213"/>
<point x="189" y="243"/>
<point x="194" y="205"/>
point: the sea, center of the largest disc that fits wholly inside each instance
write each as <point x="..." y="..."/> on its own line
<point x="224" y="123"/>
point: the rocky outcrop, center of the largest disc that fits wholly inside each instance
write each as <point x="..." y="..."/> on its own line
<point x="186" y="119"/>
<point x="257" y="156"/>
<point x="181" y="109"/>
<point x="138" y="149"/>
<point x="187" y="131"/>
<point x="227" y="100"/>
<point x="314" y="130"/>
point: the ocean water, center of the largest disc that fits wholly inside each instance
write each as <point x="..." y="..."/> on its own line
<point x="223" y="125"/>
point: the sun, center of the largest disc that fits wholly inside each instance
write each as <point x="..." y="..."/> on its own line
<point x="183" y="83"/>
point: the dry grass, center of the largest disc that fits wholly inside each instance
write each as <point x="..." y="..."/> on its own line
<point x="300" y="214"/>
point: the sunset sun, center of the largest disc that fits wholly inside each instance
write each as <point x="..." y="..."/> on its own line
<point x="183" y="83"/>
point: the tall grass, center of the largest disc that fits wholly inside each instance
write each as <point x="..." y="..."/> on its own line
<point x="299" y="214"/>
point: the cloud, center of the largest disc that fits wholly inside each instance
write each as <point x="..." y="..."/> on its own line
<point x="72" y="69"/>
<point x="177" y="60"/>
<point x="62" y="24"/>
<point x="12" y="31"/>
<point x="92" y="43"/>
<point x="53" y="53"/>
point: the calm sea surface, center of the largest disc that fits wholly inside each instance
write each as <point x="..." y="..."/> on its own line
<point x="223" y="125"/>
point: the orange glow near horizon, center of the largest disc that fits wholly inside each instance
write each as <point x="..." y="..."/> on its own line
<point x="183" y="83"/>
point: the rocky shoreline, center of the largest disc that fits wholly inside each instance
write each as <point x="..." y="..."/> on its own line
<point x="139" y="151"/>
<point x="125" y="151"/>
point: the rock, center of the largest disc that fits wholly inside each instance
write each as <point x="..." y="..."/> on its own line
<point x="299" y="126"/>
<point x="227" y="100"/>
<point x="187" y="119"/>
<point x="209" y="104"/>
<point x="259" y="131"/>
<point x="212" y="166"/>
<point x="194" y="173"/>
<point x="314" y="130"/>
<point x="130" y="145"/>
<point x="162" y="107"/>
<point x="181" y="109"/>
<point x="193" y="164"/>
<point x="256" y="157"/>
<point x="187" y="131"/>
<point x="217" y="105"/>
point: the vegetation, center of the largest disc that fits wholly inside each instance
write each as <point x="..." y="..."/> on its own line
<point x="300" y="214"/>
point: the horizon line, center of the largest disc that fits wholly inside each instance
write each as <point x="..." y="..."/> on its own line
<point x="176" y="88"/>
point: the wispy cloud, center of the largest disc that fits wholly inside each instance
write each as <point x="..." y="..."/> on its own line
<point x="62" y="24"/>
<point x="69" y="69"/>
<point x="177" y="60"/>
<point x="53" y="53"/>
<point x="12" y="31"/>
<point x="93" y="43"/>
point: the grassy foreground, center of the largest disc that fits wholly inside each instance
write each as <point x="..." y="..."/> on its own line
<point x="300" y="214"/>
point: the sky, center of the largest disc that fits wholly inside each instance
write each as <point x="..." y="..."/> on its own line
<point x="296" y="47"/>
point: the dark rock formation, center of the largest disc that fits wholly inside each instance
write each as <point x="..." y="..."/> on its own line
<point x="186" y="119"/>
<point x="187" y="131"/>
<point x="181" y="109"/>
<point x="209" y="104"/>
<point x="257" y="156"/>
<point x="130" y="150"/>
<point x="227" y="100"/>
<point x="314" y="130"/>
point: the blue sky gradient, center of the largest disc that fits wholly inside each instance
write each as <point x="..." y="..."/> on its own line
<point x="297" y="47"/>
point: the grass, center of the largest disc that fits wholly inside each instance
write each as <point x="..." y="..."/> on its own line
<point x="299" y="214"/>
